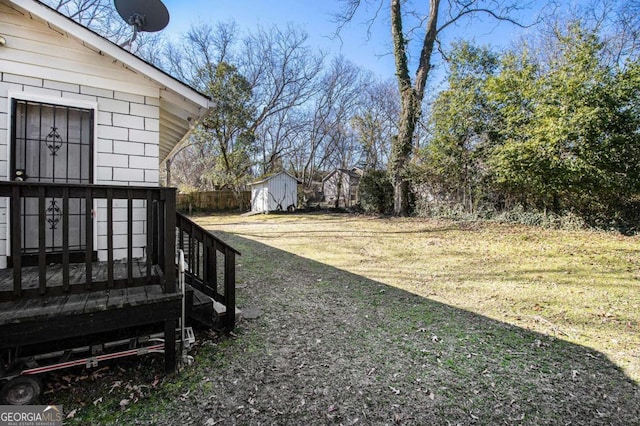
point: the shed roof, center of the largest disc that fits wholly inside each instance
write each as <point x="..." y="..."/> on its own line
<point x="266" y="178"/>
<point x="353" y="172"/>
<point x="181" y="106"/>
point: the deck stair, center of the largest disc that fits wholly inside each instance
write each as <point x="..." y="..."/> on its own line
<point x="209" y="272"/>
<point x="206" y="310"/>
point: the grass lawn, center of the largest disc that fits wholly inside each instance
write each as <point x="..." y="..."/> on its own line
<point x="583" y="287"/>
<point x="408" y="321"/>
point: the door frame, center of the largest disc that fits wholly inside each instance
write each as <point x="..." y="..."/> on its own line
<point x="25" y="95"/>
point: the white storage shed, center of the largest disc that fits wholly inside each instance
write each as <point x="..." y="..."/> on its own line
<point x="278" y="192"/>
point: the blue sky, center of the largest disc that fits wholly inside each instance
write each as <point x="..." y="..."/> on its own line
<point x="315" y="17"/>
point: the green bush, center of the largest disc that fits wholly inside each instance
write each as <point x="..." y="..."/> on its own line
<point x="376" y="192"/>
<point x="515" y="215"/>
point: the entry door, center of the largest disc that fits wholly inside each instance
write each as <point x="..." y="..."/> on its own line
<point x="54" y="144"/>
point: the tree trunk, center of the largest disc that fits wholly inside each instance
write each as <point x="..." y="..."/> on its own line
<point x="401" y="149"/>
<point x="411" y="96"/>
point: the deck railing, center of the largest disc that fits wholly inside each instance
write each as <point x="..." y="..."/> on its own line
<point x="153" y="216"/>
<point x="210" y="265"/>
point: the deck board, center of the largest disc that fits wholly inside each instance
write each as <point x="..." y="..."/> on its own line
<point x="6" y="314"/>
<point x="57" y="303"/>
<point x="43" y="308"/>
<point x="53" y="271"/>
<point x="96" y="301"/>
<point x="76" y="303"/>
<point x="77" y="279"/>
<point x="57" y="318"/>
<point x="77" y="274"/>
<point x="117" y="298"/>
<point x="136" y="295"/>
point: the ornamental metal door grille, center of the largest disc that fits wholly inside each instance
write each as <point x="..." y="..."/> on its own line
<point x="52" y="143"/>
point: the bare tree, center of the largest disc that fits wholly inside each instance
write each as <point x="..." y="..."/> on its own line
<point x="616" y="21"/>
<point x="189" y="170"/>
<point x="194" y="58"/>
<point x="280" y="71"/>
<point x="277" y="140"/>
<point x="101" y="16"/>
<point x="326" y="141"/>
<point x="376" y="123"/>
<point x="97" y="15"/>
<point x="432" y="22"/>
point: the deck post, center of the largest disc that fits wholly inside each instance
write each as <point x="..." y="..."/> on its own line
<point x="170" y="240"/>
<point x="160" y="229"/>
<point x="129" y="237"/>
<point x="214" y="264"/>
<point x="42" y="245"/>
<point x="209" y="270"/>
<point x="16" y="240"/>
<point x="110" y="238"/>
<point x="230" y="288"/>
<point x="88" y="233"/>
<point x="150" y="233"/>
<point x="170" y="346"/>
<point x="155" y="230"/>
<point x="65" y="238"/>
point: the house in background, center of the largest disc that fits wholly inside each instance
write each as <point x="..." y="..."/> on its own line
<point x="87" y="235"/>
<point x="340" y="187"/>
<point x="277" y="192"/>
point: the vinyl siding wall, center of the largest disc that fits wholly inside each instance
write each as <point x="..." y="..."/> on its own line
<point x="38" y="63"/>
<point x="277" y="193"/>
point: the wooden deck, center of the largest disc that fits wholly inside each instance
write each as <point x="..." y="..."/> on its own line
<point x="77" y="278"/>
<point x="53" y="318"/>
<point x="41" y="319"/>
<point x="59" y="300"/>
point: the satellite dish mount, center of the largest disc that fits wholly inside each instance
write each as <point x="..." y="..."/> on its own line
<point x="143" y="15"/>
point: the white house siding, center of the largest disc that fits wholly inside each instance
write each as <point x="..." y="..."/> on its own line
<point x="331" y="188"/>
<point x="348" y="188"/>
<point x="38" y="63"/>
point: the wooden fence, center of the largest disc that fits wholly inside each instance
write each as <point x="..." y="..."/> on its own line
<point x="213" y="201"/>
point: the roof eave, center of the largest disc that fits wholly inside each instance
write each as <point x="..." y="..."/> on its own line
<point x="109" y="48"/>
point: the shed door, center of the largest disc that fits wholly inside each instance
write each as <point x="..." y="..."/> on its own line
<point x="54" y="144"/>
<point x="263" y="199"/>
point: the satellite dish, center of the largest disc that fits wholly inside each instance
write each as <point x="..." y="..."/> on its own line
<point x="143" y="15"/>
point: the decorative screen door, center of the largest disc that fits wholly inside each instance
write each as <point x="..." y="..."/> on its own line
<point x="53" y="144"/>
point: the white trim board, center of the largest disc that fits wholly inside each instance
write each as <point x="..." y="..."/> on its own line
<point x="107" y="47"/>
